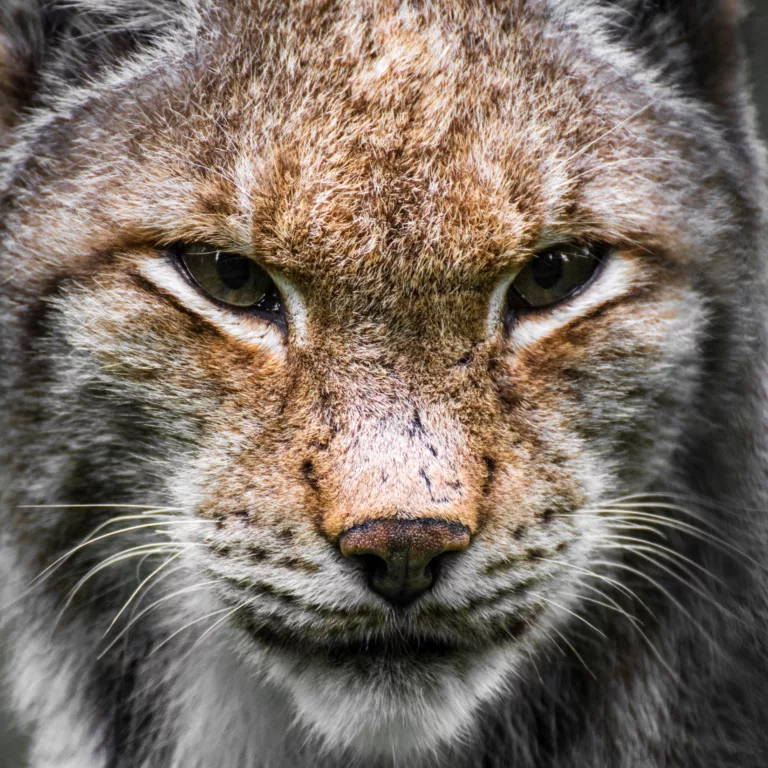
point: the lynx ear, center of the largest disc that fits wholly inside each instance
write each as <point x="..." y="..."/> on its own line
<point x="48" y="44"/>
<point x="695" y="43"/>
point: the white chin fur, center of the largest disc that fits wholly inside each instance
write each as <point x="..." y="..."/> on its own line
<point x="392" y="710"/>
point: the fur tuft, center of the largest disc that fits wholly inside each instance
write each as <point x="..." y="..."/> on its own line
<point x="48" y="45"/>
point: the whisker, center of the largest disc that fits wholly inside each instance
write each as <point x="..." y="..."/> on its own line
<point x="112" y="560"/>
<point x="613" y="602"/>
<point x="700" y="592"/>
<point x="576" y="653"/>
<point x="91" y="540"/>
<point x="155" y="583"/>
<point x="138" y="589"/>
<point x="152" y="607"/>
<point x="617" y="524"/>
<point x="572" y="613"/>
<point x="698" y="500"/>
<point x="215" y="626"/>
<point x="612" y="582"/>
<point x="550" y="638"/>
<point x="678" y="525"/>
<point x="669" y="554"/>
<point x="185" y="627"/>
<point x="665" y="592"/>
<point x="614" y="607"/>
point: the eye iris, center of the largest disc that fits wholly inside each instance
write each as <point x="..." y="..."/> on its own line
<point x="234" y="271"/>
<point x="230" y="278"/>
<point x="547" y="269"/>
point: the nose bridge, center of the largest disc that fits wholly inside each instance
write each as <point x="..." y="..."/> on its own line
<point x="411" y="466"/>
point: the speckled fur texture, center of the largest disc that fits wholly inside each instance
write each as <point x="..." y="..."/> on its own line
<point x="175" y="477"/>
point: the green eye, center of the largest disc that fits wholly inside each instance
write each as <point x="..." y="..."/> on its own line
<point x="229" y="278"/>
<point x="554" y="274"/>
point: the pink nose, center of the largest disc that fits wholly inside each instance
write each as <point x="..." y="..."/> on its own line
<point x="401" y="556"/>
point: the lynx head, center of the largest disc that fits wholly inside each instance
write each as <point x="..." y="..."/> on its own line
<point x="394" y="313"/>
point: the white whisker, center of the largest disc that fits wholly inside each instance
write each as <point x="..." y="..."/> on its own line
<point x="153" y="606"/>
<point x="186" y="626"/>
<point x="138" y="589"/>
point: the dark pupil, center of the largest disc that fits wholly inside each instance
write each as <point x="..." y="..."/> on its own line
<point x="234" y="271"/>
<point x="547" y="269"/>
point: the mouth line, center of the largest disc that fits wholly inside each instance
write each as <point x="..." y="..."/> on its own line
<point x="399" y="644"/>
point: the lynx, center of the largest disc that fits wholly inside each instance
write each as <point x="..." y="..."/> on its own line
<point x="383" y="384"/>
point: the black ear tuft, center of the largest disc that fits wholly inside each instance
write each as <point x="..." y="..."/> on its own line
<point x="695" y="43"/>
<point x="48" y="44"/>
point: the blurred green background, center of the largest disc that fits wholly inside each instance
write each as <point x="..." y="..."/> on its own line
<point x="12" y="744"/>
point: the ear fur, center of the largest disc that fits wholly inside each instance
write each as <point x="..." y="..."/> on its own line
<point x="694" y="43"/>
<point x="48" y="44"/>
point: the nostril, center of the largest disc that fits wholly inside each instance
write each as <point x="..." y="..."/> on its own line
<point x="402" y="558"/>
<point x="374" y="566"/>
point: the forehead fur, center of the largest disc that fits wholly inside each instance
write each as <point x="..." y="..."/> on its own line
<point x="348" y="141"/>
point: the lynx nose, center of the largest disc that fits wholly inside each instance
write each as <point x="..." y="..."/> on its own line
<point x="399" y="555"/>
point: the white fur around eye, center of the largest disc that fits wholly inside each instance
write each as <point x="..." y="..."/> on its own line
<point x="498" y="303"/>
<point x="249" y="329"/>
<point x="619" y="274"/>
<point x="295" y="308"/>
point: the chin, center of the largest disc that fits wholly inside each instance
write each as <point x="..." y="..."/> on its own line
<point x="387" y="704"/>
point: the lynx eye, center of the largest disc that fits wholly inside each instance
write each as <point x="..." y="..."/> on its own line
<point x="554" y="274"/>
<point x="229" y="278"/>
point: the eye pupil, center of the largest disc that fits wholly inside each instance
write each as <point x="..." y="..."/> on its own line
<point x="547" y="269"/>
<point x="234" y="270"/>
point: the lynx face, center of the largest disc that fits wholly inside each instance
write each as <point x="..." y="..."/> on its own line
<point x="391" y="311"/>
